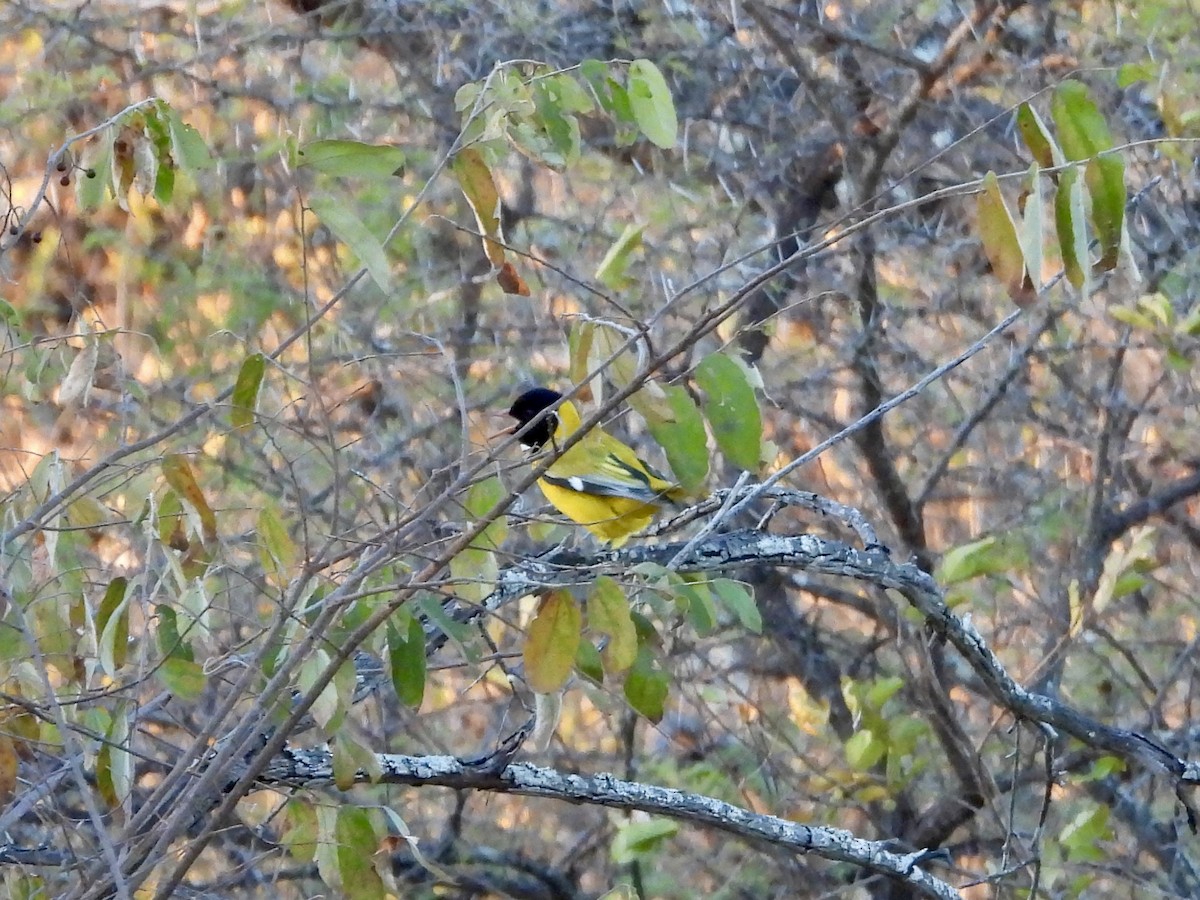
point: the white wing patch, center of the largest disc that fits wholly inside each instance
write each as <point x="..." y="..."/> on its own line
<point x="599" y="486"/>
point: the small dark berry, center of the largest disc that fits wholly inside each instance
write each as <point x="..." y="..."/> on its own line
<point x="36" y="237"/>
<point x="62" y="165"/>
<point x="65" y="180"/>
<point x="13" y="229"/>
<point x="90" y="173"/>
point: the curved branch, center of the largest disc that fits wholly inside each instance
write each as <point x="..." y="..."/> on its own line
<point x="872" y="565"/>
<point x="314" y="768"/>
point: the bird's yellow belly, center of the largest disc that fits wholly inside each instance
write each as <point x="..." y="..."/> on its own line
<point x="611" y="519"/>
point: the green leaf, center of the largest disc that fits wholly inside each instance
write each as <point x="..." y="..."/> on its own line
<point x="171" y="644"/>
<point x="1000" y="241"/>
<point x="1082" y="128"/>
<point x="350" y="756"/>
<point x="350" y="230"/>
<point x="650" y="100"/>
<point x="327" y="709"/>
<point x="481" y="499"/>
<point x="1105" y="177"/>
<point x="1131" y="73"/>
<point x="1045" y="150"/>
<point x="9" y="314"/>
<point x="245" y="391"/>
<point x="552" y="643"/>
<point x="613" y="271"/>
<point x="587" y="662"/>
<point x="1104" y="767"/>
<point x="557" y="124"/>
<point x="1085" y="136"/>
<point x="188" y="149"/>
<point x="92" y="191"/>
<point x="962" y="563"/>
<point x="1082" y="835"/>
<point x="406" y="658"/>
<point x="608" y="613"/>
<point x="475" y="572"/>
<point x="277" y="549"/>
<point x="353" y="158"/>
<point x="458" y="632"/>
<point x="183" y="678"/>
<point x="475" y="178"/>
<point x="112" y="626"/>
<point x="731" y="409"/>
<point x="358" y="840"/>
<point x="695" y="598"/>
<point x="881" y="691"/>
<point x="636" y="840"/>
<point x="646" y="687"/>
<point x="864" y="750"/>
<point x="114" y="762"/>
<point x="683" y="438"/>
<point x="739" y="599"/>
<point x="1069" y="223"/>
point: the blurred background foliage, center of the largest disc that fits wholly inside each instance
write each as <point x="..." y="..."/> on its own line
<point x="1049" y="480"/>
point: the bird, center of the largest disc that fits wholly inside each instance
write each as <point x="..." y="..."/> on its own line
<point x="600" y="482"/>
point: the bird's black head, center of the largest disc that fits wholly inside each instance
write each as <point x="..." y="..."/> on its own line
<point x="528" y="405"/>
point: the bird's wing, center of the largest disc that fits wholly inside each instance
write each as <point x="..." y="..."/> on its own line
<point x="599" y="486"/>
<point x="610" y="475"/>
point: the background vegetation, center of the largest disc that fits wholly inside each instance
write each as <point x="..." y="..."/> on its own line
<point x="279" y="605"/>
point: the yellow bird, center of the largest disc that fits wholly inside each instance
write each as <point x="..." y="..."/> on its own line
<point x="600" y="482"/>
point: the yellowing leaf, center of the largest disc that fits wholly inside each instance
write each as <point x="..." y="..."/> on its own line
<point x="608" y="613"/>
<point x="579" y="345"/>
<point x="78" y="382"/>
<point x="639" y="840"/>
<point x="8" y="768"/>
<point x="179" y="475"/>
<point x="624" y="367"/>
<point x="552" y="642"/>
<point x="1001" y="243"/>
<point x="475" y="178"/>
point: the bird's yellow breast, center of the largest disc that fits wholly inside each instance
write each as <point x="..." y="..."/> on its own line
<point x="611" y="519"/>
